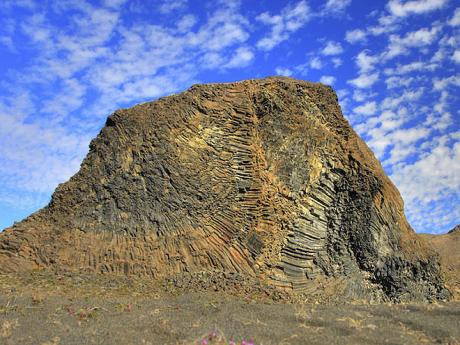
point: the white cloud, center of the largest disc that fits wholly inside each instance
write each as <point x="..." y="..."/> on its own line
<point x="332" y="48"/>
<point x="186" y="23"/>
<point x="391" y="120"/>
<point x="102" y="60"/>
<point x="403" y="9"/>
<point x="365" y="62"/>
<point x="439" y="121"/>
<point x="416" y="66"/>
<point x="170" y="6"/>
<point x="220" y="32"/>
<point x="439" y="55"/>
<point x="379" y="130"/>
<point x="368" y="108"/>
<point x="337" y="6"/>
<point x="243" y="56"/>
<point x="449" y="41"/>
<point x="433" y="177"/>
<point x="355" y="36"/>
<point x="327" y="79"/>
<point x="455" y="20"/>
<point x="400" y="45"/>
<point x="365" y="80"/>
<point x="395" y="82"/>
<point x="401" y="126"/>
<point x="283" y="71"/>
<point x="291" y="19"/>
<point x="36" y="157"/>
<point x="337" y="62"/>
<point x="119" y="65"/>
<point x="441" y="105"/>
<point x="316" y="63"/>
<point x="456" y="56"/>
<point x="212" y="60"/>
<point x="342" y="93"/>
<point x="360" y="96"/>
<point x="391" y="102"/>
<point x="440" y="84"/>
<point x="420" y="37"/>
<point x="386" y="24"/>
<point x="70" y="98"/>
<point x="402" y="138"/>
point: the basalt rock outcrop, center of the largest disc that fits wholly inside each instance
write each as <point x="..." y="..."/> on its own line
<point x="263" y="178"/>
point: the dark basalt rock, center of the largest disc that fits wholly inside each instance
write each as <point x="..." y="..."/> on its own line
<point x="262" y="178"/>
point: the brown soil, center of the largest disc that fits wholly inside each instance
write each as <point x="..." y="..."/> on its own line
<point x="41" y="308"/>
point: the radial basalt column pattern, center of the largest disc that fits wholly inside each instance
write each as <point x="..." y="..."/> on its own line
<point x="261" y="177"/>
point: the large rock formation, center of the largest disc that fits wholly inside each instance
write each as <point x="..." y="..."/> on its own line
<point x="262" y="177"/>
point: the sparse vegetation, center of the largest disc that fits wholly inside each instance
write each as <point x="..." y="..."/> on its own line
<point x="45" y="308"/>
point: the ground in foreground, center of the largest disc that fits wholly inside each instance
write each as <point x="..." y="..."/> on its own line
<point x="57" y="309"/>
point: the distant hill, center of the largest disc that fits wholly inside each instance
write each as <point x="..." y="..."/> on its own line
<point x="448" y="247"/>
<point x="456" y="230"/>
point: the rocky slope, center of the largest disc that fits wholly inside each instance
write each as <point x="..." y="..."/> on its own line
<point x="448" y="247"/>
<point x="264" y="178"/>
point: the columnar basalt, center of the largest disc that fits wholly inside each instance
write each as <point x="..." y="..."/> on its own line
<point x="262" y="177"/>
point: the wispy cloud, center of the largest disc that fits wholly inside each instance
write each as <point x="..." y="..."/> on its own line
<point x="400" y="45"/>
<point x="80" y="68"/>
<point x="366" y="62"/>
<point x="368" y="108"/>
<point x="332" y="48"/>
<point x="283" y="71"/>
<point x="411" y="123"/>
<point x="356" y="35"/>
<point x="403" y="9"/>
<point x="455" y="20"/>
<point x="336" y="6"/>
<point x="327" y="79"/>
<point x="365" y="80"/>
<point x="316" y="63"/>
<point x="242" y="57"/>
<point x="291" y="19"/>
<point x="395" y="69"/>
<point x="170" y="6"/>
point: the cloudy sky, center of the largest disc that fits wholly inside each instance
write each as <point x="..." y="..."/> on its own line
<point x="67" y="64"/>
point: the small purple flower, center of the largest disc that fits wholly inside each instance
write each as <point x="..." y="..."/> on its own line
<point x="231" y="342"/>
<point x="204" y="342"/>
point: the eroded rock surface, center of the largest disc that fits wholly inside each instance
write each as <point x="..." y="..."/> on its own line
<point x="264" y="178"/>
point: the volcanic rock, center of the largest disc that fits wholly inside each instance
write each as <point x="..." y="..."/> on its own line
<point x="263" y="178"/>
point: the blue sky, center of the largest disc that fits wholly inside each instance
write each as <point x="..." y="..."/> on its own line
<point x="67" y="64"/>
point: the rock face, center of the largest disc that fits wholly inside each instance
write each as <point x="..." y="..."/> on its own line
<point x="262" y="177"/>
